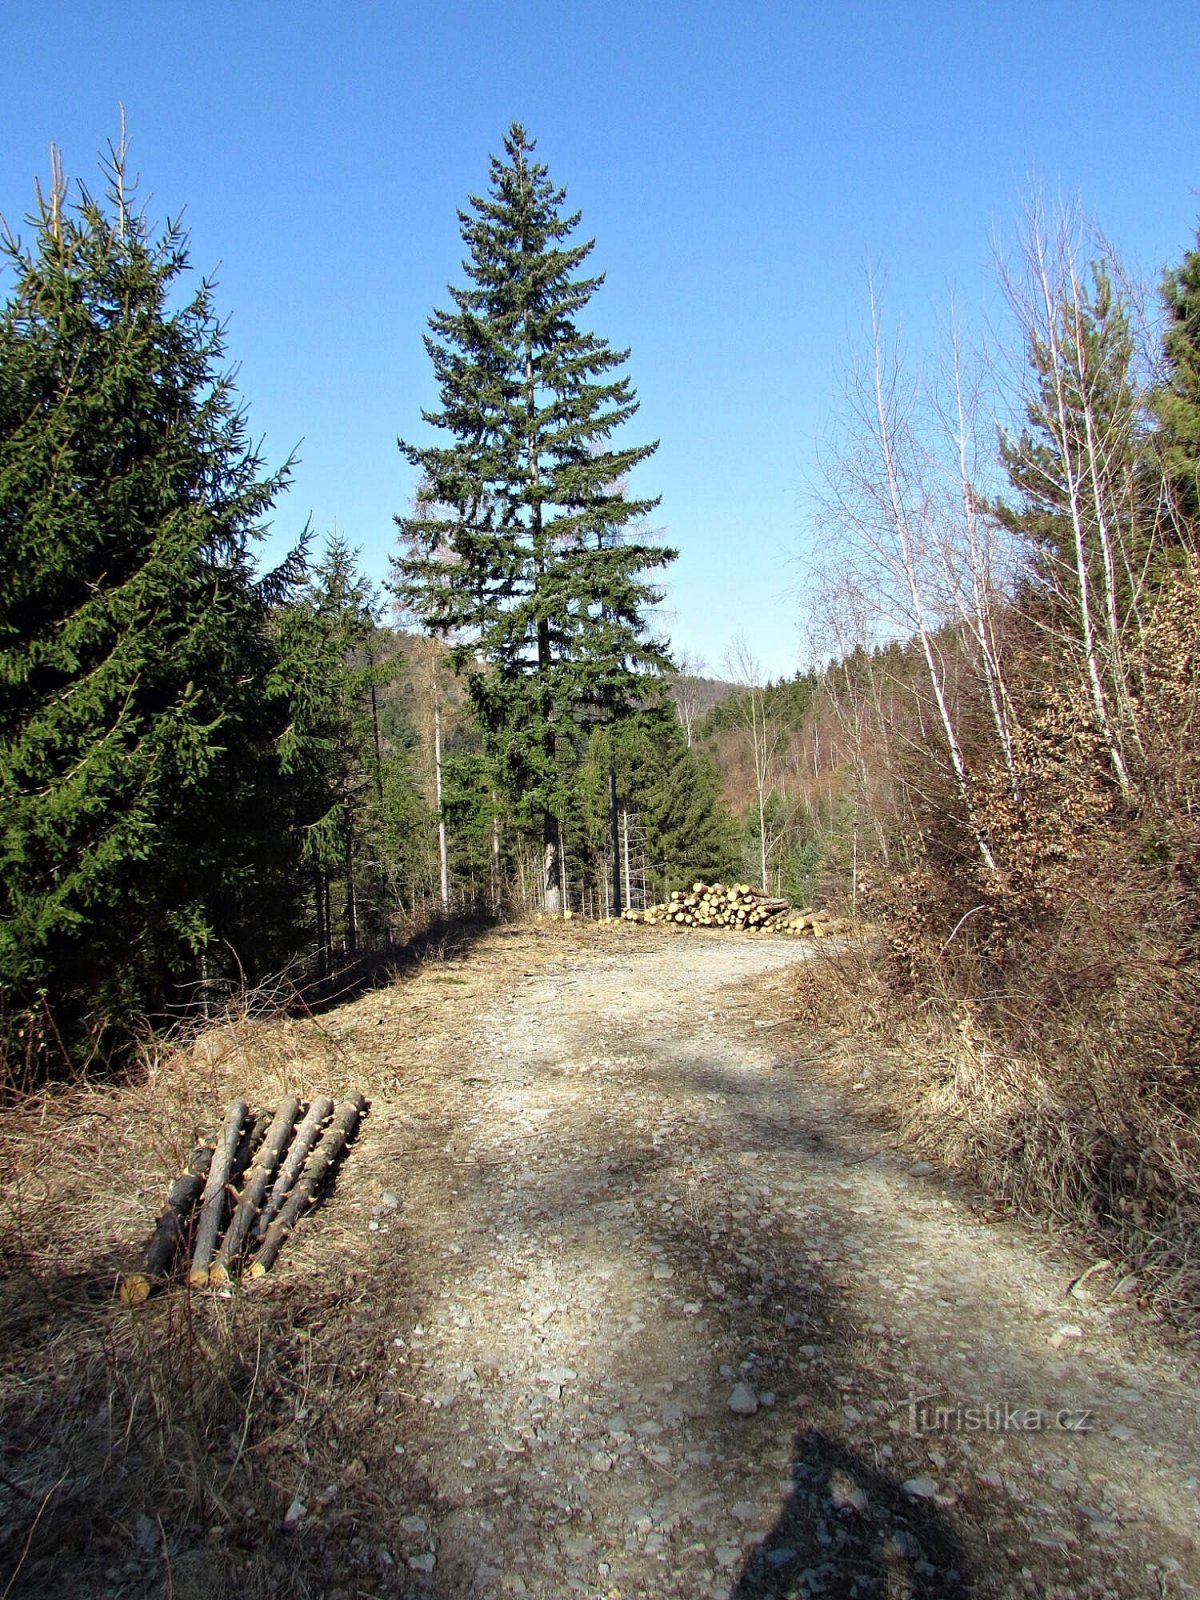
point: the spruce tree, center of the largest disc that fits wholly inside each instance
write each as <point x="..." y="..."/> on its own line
<point x="136" y="726"/>
<point x="519" y="551"/>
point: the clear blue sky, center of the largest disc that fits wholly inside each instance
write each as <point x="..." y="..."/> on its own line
<point x="739" y="165"/>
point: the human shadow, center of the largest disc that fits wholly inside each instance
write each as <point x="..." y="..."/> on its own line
<point x="851" y="1532"/>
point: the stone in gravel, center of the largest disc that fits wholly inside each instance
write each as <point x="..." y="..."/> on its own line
<point x="743" y="1402"/>
<point x="727" y="1554"/>
<point x="744" y="1511"/>
<point x="557" y="1375"/>
<point x="661" y="1270"/>
<point x="781" y="1555"/>
<point x="1069" y="1330"/>
<point x="389" y="1200"/>
<point x="921" y="1488"/>
<point x="920" y="1169"/>
<point x="423" y="1563"/>
<point x="413" y="1527"/>
<point x="294" y="1513"/>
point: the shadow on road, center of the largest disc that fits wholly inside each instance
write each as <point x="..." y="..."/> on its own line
<point x="851" y="1532"/>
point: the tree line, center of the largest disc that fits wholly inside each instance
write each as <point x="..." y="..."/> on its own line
<point x="210" y="772"/>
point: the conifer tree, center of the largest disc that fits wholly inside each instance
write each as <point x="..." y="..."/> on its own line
<point x="1177" y="401"/>
<point x="136" y="728"/>
<point x="519" y="551"/>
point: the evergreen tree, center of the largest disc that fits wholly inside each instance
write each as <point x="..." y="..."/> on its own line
<point x="518" y="551"/>
<point x="1074" y="465"/>
<point x="1177" y="400"/>
<point x="136" y="728"/>
<point x="340" y="749"/>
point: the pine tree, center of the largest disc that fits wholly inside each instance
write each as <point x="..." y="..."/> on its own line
<point x="518" y="553"/>
<point x="136" y="729"/>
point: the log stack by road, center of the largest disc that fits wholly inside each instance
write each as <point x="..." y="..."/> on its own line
<point x="242" y="1193"/>
<point x="737" y="907"/>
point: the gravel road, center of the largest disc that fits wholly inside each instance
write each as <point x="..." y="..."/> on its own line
<point x="666" y="1316"/>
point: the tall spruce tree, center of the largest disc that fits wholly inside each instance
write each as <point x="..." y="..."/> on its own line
<point x="519" y="551"/>
<point x="136" y="728"/>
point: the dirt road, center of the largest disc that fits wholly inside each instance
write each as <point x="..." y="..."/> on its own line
<point x="657" y="1314"/>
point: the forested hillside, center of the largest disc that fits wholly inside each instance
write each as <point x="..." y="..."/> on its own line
<point x="997" y="766"/>
<point x="211" y="774"/>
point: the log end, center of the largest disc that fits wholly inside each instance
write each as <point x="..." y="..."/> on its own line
<point x="256" y="1270"/>
<point x="198" y="1277"/>
<point x="135" y="1289"/>
<point x="218" y="1275"/>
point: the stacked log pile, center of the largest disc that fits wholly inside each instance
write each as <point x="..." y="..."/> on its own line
<point x="741" y="908"/>
<point x="242" y="1192"/>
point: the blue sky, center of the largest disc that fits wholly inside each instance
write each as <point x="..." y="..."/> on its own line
<point x="740" y="167"/>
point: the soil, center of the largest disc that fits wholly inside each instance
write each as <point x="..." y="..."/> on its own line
<point x="621" y="1294"/>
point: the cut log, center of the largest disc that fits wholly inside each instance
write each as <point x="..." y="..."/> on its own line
<point x="212" y="1207"/>
<point x="307" y="1133"/>
<point x="254" y="1189"/>
<point x="345" y="1120"/>
<point x="136" y="1287"/>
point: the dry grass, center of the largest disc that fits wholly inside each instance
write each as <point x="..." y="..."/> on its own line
<point x="1054" y="1110"/>
<point x="157" y="1450"/>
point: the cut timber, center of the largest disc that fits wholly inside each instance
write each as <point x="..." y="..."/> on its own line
<point x="293" y="1163"/>
<point x="345" y="1120"/>
<point x="135" y="1287"/>
<point x="255" y="1188"/>
<point x="212" y="1207"/>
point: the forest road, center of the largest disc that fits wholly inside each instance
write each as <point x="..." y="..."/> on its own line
<point x="664" y="1315"/>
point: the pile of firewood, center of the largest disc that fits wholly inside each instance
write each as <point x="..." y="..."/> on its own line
<point x="242" y="1192"/>
<point x="715" y="905"/>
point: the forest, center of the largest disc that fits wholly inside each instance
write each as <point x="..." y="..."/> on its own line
<point x="214" y="775"/>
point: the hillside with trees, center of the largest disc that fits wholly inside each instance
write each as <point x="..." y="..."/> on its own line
<point x="212" y="775"/>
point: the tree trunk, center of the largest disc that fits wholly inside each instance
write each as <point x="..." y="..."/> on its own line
<point x="344" y="1123"/>
<point x="307" y="1134"/>
<point x="551" y="868"/>
<point x="351" y="898"/>
<point x="614" y="837"/>
<point x="254" y="1189"/>
<point x="212" y="1207"/>
<point x="169" y="1233"/>
<point x="322" y="925"/>
<point x="625" y="832"/>
<point x="443" y="867"/>
<point x="495" y="860"/>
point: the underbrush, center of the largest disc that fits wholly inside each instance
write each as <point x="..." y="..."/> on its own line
<point x="1071" y="1092"/>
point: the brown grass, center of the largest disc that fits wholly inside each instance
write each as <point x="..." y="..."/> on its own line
<point x="1052" y="1108"/>
<point x="157" y="1450"/>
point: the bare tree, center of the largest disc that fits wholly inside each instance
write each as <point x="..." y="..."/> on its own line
<point x="745" y="669"/>
<point x="684" y="690"/>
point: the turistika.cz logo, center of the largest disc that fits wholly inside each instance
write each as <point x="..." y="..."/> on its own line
<point x="926" y="1414"/>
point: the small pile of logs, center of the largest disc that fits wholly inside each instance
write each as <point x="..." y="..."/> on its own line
<point x="715" y="905"/>
<point x="243" y="1190"/>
